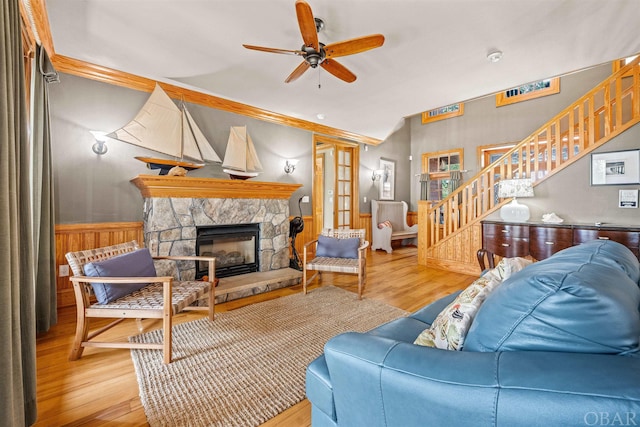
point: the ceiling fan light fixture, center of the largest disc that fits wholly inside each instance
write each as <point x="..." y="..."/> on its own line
<point x="494" y="56"/>
<point x="313" y="60"/>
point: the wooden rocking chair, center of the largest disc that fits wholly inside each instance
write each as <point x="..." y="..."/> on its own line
<point x="161" y="299"/>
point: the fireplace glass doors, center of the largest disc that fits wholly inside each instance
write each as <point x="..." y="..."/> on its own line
<point x="234" y="246"/>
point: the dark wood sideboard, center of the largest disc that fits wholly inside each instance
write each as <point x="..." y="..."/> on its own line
<point x="541" y="240"/>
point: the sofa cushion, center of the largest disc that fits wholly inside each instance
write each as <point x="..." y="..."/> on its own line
<point x="332" y="247"/>
<point x="450" y="327"/>
<point x="137" y="263"/>
<point x="581" y="300"/>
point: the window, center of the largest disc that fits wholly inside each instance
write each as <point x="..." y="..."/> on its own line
<point x="442" y="113"/>
<point x="436" y="170"/>
<point x="528" y="91"/>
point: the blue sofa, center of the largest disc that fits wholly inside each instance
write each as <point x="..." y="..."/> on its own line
<point x="556" y="344"/>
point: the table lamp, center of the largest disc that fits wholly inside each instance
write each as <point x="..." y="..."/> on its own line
<point x="514" y="211"/>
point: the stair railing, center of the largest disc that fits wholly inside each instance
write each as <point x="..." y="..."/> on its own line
<point x="607" y="110"/>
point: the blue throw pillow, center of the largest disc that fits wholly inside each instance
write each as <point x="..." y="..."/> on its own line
<point x="133" y="264"/>
<point x="332" y="247"/>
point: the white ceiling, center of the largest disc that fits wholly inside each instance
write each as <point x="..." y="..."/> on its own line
<point x="434" y="52"/>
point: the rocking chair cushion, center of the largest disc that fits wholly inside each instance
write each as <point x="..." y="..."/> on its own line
<point x="332" y="247"/>
<point x="137" y="263"/>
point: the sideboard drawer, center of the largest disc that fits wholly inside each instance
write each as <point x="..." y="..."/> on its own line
<point x="542" y="240"/>
<point x="546" y="241"/>
<point x="630" y="239"/>
<point x="509" y="248"/>
<point x="505" y="231"/>
<point x="506" y="240"/>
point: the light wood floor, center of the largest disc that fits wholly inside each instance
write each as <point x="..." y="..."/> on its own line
<point x="101" y="388"/>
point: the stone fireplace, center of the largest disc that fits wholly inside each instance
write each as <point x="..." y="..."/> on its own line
<point x="176" y="207"/>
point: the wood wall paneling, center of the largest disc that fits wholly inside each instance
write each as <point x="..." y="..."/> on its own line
<point x="78" y="237"/>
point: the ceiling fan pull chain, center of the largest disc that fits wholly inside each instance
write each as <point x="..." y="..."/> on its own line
<point x="319" y="85"/>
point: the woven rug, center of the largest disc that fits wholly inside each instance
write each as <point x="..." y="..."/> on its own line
<point x="249" y="364"/>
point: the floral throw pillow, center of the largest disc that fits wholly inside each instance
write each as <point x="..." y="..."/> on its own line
<point x="449" y="329"/>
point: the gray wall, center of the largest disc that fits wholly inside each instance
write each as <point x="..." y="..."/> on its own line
<point x="396" y="147"/>
<point x="92" y="188"/>
<point x="568" y="193"/>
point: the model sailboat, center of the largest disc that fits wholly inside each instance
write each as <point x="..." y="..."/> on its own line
<point x="240" y="159"/>
<point x="163" y="127"/>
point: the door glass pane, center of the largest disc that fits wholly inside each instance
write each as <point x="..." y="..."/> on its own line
<point x="346" y="202"/>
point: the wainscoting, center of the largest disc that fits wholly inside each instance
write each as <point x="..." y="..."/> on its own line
<point x="77" y="237"/>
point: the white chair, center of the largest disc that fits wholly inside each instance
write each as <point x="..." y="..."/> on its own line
<point x="388" y="223"/>
<point x="336" y="264"/>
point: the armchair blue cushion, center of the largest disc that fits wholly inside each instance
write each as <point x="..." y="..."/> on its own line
<point x="333" y="247"/>
<point x="138" y="263"/>
<point x="380" y="378"/>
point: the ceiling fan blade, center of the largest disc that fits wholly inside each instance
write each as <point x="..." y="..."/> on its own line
<point x="274" y="50"/>
<point x="307" y="24"/>
<point x="300" y="69"/>
<point x="338" y="70"/>
<point x="356" y="45"/>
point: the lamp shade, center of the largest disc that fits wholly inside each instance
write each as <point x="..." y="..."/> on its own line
<point x="515" y="188"/>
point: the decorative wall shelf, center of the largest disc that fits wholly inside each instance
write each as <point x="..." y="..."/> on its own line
<point x="212" y="188"/>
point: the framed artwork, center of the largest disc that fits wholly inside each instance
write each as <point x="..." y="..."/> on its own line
<point x="388" y="179"/>
<point x="628" y="199"/>
<point x="615" y="168"/>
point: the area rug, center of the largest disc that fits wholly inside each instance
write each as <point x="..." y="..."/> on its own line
<point x="249" y="364"/>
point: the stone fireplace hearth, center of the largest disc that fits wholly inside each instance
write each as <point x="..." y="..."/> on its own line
<point x="175" y="206"/>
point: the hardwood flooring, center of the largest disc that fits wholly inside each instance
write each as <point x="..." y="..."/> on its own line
<point x="101" y="388"/>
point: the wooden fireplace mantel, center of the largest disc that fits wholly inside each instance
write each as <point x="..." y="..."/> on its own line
<point x="211" y="188"/>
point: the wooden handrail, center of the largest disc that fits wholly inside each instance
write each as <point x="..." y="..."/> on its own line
<point x="604" y="112"/>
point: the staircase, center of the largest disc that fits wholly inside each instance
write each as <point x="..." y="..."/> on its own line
<point x="450" y="232"/>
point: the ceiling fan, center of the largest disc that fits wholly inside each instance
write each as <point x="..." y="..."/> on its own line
<point x="315" y="53"/>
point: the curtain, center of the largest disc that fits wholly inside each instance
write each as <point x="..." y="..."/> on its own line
<point x="17" y="307"/>
<point x="42" y="194"/>
<point x="424" y="186"/>
<point x="455" y="178"/>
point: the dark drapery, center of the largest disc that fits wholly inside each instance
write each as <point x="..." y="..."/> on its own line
<point x="17" y="308"/>
<point x="43" y="207"/>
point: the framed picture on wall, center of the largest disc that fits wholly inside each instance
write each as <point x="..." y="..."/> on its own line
<point x="615" y="168"/>
<point x="388" y="179"/>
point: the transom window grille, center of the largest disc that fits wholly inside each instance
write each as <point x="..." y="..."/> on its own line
<point x="442" y="113"/>
<point x="528" y="91"/>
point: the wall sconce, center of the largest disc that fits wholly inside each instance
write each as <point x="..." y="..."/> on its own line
<point x="376" y="175"/>
<point x="99" y="147"/>
<point x="290" y="165"/>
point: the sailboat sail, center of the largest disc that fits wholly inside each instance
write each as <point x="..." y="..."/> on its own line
<point x="163" y="127"/>
<point x="241" y="158"/>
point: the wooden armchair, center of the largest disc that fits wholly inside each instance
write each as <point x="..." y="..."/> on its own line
<point x="162" y="298"/>
<point x="350" y="265"/>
